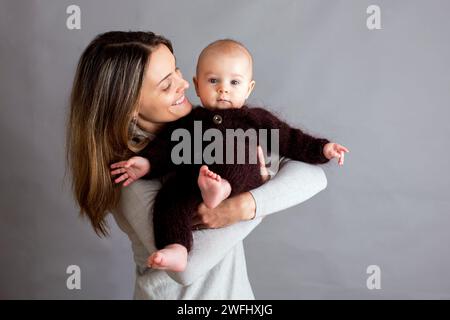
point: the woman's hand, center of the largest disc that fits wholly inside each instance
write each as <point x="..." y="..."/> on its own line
<point x="229" y="211"/>
<point x="130" y="170"/>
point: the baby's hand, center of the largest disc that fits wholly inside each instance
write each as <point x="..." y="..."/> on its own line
<point x="333" y="150"/>
<point x="133" y="169"/>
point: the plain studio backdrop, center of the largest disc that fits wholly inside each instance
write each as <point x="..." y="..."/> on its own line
<point x="384" y="93"/>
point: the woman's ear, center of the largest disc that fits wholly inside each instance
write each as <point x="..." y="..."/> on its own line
<point x="135" y="116"/>
<point x="194" y="79"/>
<point x="251" y="85"/>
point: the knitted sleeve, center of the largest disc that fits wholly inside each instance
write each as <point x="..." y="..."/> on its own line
<point x="159" y="150"/>
<point x="293" y="142"/>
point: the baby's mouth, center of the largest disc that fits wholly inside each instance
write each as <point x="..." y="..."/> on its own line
<point x="224" y="100"/>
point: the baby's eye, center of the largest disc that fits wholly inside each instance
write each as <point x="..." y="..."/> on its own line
<point x="212" y="80"/>
<point x="234" y="82"/>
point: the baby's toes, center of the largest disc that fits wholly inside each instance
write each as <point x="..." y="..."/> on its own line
<point x="158" y="258"/>
<point x="150" y="261"/>
<point x="204" y="169"/>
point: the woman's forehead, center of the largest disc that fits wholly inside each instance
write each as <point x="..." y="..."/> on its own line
<point x="160" y="65"/>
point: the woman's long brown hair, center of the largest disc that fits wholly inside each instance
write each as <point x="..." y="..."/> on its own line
<point x="104" y="97"/>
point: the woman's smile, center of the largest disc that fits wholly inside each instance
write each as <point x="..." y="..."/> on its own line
<point x="180" y="101"/>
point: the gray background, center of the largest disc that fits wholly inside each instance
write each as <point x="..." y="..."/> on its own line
<point x="383" y="93"/>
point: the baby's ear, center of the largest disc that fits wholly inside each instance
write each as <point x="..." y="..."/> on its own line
<point x="251" y="85"/>
<point x="194" y="79"/>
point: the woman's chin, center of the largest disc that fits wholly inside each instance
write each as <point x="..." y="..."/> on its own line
<point x="182" y="109"/>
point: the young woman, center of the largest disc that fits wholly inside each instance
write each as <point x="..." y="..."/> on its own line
<point x="126" y="87"/>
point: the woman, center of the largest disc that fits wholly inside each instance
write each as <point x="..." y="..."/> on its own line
<point x="126" y="88"/>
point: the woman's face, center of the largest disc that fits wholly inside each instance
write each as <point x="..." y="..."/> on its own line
<point x="162" y="96"/>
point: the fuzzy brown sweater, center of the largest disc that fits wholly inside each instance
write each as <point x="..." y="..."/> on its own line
<point x="179" y="197"/>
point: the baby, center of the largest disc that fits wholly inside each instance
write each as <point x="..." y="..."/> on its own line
<point x="223" y="83"/>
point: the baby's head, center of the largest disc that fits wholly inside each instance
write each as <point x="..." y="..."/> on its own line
<point x="224" y="75"/>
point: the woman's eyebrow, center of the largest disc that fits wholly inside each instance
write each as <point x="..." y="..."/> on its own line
<point x="164" y="78"/>
<point x="168" y="74"/>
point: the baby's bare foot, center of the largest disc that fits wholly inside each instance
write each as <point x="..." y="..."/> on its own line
<point x="173" y="258"/>
<point x="214" y="189"/>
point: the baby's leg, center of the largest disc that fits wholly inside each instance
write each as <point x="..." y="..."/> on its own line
<point x="241" y="177"/>
<point x="173" y="258"/>
<point x="214" y="189"/>
<point x="173" y="211"/>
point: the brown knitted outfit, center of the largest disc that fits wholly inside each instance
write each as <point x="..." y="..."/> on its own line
<point x="177" y="201"/>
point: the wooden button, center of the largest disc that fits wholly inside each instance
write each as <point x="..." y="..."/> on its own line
<point x="217" y="119"/>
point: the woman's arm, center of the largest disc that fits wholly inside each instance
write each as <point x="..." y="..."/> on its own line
<point x="294" y="183"/>
<point x="299" y="182"/>
<point x="210" y="245"/>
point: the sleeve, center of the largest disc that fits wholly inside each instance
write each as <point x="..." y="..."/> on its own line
<point x="157" y="152"/>
<point x="211" y="245"/>
<point x="294" y="183"/>
<point x="292" y="143"/>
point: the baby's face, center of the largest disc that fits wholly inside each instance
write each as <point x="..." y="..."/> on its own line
<point x="224" y="80"/>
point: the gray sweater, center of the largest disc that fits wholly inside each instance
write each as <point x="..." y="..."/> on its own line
<point x="216" y="264"/>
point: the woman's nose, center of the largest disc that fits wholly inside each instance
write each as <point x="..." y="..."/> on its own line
<point x="183" y="85"/>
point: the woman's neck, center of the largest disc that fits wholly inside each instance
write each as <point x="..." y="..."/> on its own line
<point x="148" y="126"/>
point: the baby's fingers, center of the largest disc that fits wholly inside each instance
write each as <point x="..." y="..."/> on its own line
<point x="128" y="182"/>
<point x="117" y="171"/>
<point x="341" y="158"/>
<point x="118" y="164"/>
<point x="342" y="148"/>
<point x="261" y="158"/>
<point x="121" y="178"/>
<point x="262" y="168"/>
<point x="129" y="163"/>
<point x="336" y="154"/>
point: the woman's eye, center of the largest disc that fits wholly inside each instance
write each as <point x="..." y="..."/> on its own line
<point x="167" y="87"/>
<point x="234" y="82"/>
<point x="212" y="80"/>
